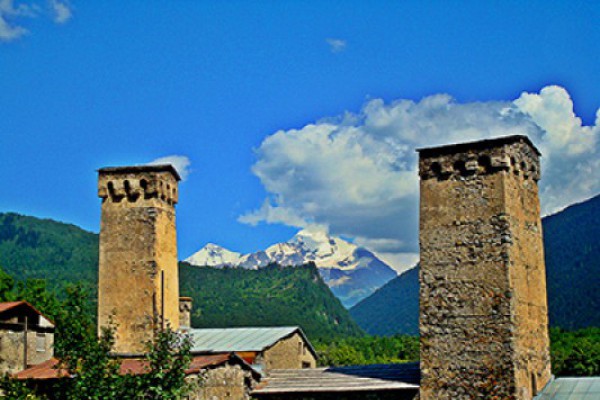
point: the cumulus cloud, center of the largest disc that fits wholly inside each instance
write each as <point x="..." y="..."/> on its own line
<point x="180" y="163"/>
<point x="61" y="10"/>
<point x="14" y="14"/>
<point x="336" y="45"/>
<point x="357" y="173"/>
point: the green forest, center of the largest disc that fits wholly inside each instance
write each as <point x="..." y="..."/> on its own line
<point x="269" y="296"/>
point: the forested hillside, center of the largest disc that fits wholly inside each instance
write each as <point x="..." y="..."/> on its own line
<point x="45" y="249"/>
<point x="393" y="308"/>
<point x="268" y="296"/>
<point x="572" y="252"/>
<point x="572" y="246"/>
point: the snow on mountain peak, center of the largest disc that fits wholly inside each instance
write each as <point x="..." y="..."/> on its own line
<point x="352" y="272"/>
<point x="214" y="255"/>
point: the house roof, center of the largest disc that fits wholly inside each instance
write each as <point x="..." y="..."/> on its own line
<point x="242" y="339"/>
<point x="571" y="389"/>
<point x="134" y="366"/>
<point x="12" y="305"/>
<point x="341" y="379"/>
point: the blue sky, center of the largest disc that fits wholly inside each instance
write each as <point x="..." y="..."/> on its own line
<point x="291" y="114"/>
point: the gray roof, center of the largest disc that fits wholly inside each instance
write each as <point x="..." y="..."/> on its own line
<point x="571" y="389"/>
<point x="220" y="340"/>
<point x="342" y="379"/>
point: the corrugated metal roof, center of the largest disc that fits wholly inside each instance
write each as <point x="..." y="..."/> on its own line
<point x="342" y="379"/>
<point x="239" y="339"/>
<point x="571" y="389"/>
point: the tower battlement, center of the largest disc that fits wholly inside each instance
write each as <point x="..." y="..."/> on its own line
<point x="460" y="161"/>
<point x="130" y="184"/>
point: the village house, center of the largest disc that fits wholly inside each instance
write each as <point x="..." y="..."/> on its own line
<point x="26" y="336"/>
<point x="264" y="348"/>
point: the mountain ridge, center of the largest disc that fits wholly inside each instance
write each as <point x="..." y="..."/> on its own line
<point x="350" y="271"/>
<point x="572" y="256"/>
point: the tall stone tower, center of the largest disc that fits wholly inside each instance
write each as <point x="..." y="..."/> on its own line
<point x="483" y="309"/>
<point x="138" y="278"/>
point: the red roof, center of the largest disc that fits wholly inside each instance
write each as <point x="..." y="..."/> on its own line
<point x="46" y="370"/>
<point x="9" y="305"/>
<point x="50" y="370"/>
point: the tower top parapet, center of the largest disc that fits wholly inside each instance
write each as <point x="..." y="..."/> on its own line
<point x="139" y="182"/>
<point x="135" y="169"/>
<point x="514" y="153"/>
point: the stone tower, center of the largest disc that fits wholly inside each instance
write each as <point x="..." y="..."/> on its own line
<point x="138" y="278"/>
<point x="483" y="309"/>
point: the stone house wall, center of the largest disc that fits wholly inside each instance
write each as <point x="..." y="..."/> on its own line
<point x="289" y="353"/>
<point x="39" y="349"/>
<point x="227" y="382"/>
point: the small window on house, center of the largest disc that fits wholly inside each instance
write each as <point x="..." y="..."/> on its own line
<point x="300" y="348"/>
<point x="305" y="364"/>
<point x="40" y="342"/>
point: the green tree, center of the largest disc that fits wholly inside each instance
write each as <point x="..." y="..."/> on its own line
<point x="94" y="374"/>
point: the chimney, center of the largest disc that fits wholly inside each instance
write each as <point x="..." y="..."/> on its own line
<point x="483" y="310"/>
<point x="138" y="277"/>
<point x="185" y="312"/>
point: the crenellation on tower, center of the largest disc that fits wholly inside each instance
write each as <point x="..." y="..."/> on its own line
<point x="138" y="278"/>
<point x="130" y="184"/>
<point x="483" y="311"/>
<point x="459" y="161"/>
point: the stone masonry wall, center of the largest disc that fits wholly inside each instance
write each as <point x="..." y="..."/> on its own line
<point x="289" y="353"/>
<point x="138" y="277"/>
<point x="227" y="382"/>
<point x="12" y="349"/>
<point x="483" y="320"/>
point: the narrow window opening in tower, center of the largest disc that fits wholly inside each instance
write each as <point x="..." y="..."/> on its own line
<point x="132" y="196"/>
<point x="112" y="192"/>
<point x="460" y="168"/>
<point x="514" y="165"/>
<point x="144" y="186"/>
<point x="485" y="164"/>
<point x="436" y="169"/>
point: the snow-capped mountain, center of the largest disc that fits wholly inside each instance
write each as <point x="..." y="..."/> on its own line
<point x="351" y="272"/>
<point x="215" y="256"/>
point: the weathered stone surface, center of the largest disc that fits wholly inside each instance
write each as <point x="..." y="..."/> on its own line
<point x="483" y="325"/>
<point x="138" y="277"/>
<point x="289" y="353"/>
<point x="227" y="382"/>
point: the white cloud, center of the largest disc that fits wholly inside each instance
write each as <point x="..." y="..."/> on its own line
<point x="357" y="173"/>
<point x="180" y="163"/>
<point x="336" y="45"/>
<point x="9" y="13"/>
<point x="13" y="15"/>
<point x="62" y="11"/>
